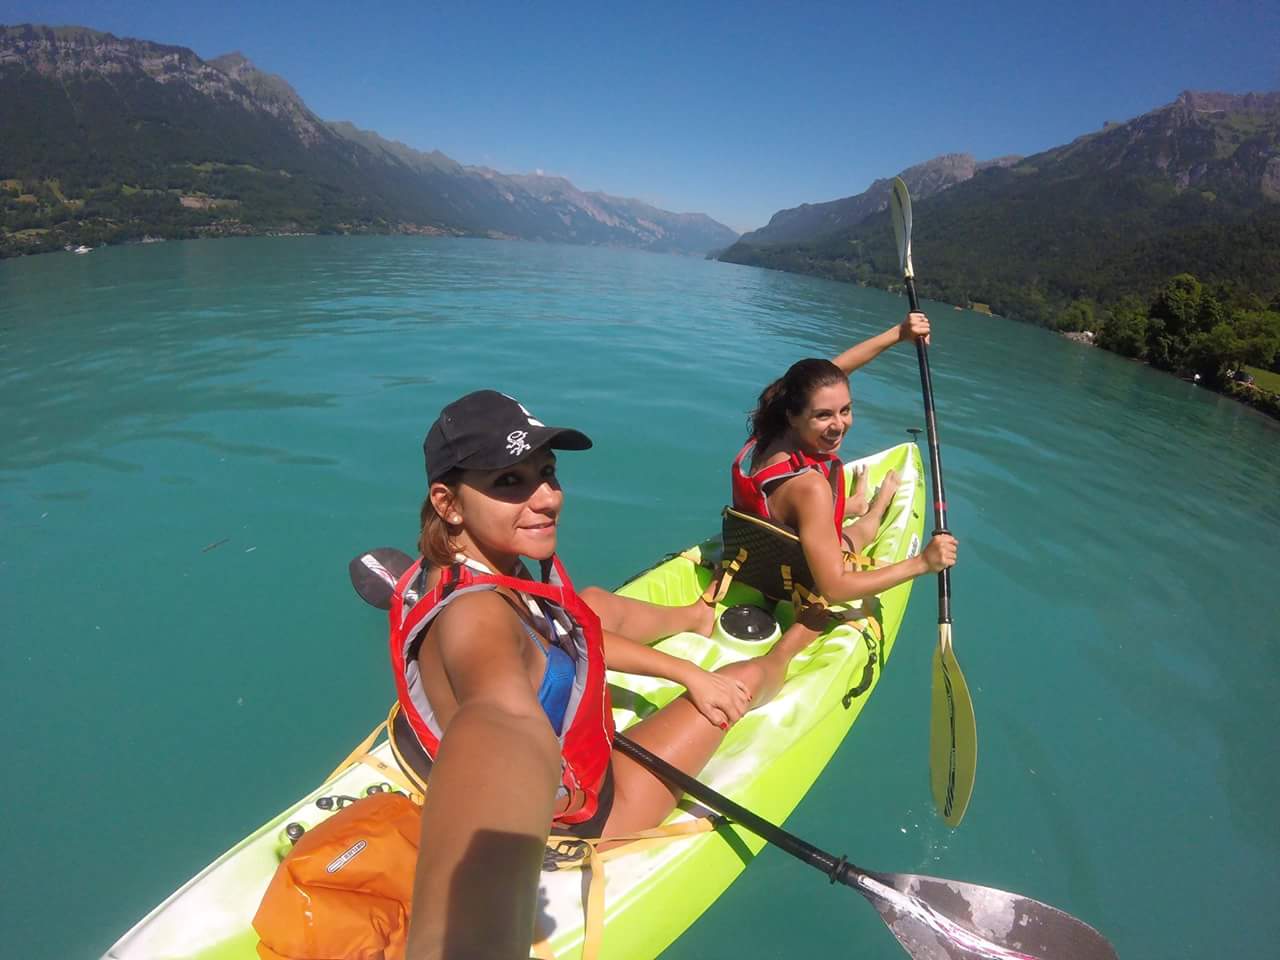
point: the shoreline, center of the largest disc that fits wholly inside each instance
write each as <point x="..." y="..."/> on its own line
<point x="1251" y="395"/>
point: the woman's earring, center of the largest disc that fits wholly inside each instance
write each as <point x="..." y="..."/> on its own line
<point x="455" y="519"/>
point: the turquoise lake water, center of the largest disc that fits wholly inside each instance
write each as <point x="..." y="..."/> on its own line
<point x="197" y="437"/>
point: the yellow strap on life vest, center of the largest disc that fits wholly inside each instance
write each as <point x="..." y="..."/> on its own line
<point x="860" y="561"/>
<point x="578" y="852"/>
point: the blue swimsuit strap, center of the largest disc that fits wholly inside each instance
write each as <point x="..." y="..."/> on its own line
<point x="557" y="681"/>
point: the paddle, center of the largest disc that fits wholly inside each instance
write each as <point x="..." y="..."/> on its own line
<point x="933" y="919"/>
<point x="953" y="731"/>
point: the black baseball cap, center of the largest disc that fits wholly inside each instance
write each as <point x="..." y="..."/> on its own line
<point x="488" y="430"/>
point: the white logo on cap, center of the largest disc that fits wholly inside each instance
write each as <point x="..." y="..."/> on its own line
<point x="516" y="442"/>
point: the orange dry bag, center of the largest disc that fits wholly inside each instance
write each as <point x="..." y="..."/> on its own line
<point x="345" y="888"/>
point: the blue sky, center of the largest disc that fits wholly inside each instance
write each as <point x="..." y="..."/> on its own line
<point x="731" y="109"/>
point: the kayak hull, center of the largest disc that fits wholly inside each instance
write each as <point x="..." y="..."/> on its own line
<point x="767" y="763"/>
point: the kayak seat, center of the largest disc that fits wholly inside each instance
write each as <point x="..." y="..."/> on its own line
<point x="764" y="555"/>
<point x="410" y="757"/>
<point x="767" y="555"/>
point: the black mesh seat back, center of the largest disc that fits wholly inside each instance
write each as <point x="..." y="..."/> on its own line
<point x="770" y="547"/>
<point x="410" y="756"/>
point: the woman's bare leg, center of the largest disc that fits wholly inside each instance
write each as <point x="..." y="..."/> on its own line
<point x="647" y="622"/>
<point x="682" y="736"/>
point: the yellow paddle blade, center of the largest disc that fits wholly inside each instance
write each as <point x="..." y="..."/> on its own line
<point x="953" y="734"/>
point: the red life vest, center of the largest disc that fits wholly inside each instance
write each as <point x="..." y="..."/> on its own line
<point x="749" y="494"/>
<point x="586" y="737"/>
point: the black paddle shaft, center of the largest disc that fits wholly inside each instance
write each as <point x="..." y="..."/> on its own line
<point x="837" y="868"/>
<point x="935" y="460"/>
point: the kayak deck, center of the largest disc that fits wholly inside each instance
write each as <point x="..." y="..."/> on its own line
<point x="652" y="894"/>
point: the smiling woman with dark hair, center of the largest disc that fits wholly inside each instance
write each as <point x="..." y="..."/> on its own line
<point x="501" y="676"/>
<point x="786" y="472"/>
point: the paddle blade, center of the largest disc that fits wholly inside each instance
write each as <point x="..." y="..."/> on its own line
<point x="374" y="574"/>
<point x="953" y="734"/>
<point x="937" y="919"/>
<point x="900" y="206"/>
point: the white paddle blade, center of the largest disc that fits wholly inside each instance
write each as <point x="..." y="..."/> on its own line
<point x="374" y="574"/>
<point x="937" y="919"/>
<point x="900" y="205"/>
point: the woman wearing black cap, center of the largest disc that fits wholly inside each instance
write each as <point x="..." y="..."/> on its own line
<point x="501" y="676"/>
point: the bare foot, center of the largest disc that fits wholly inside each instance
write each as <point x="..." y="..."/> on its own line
<point x="702" y="617"/>
<point x="856" y="504"/>
<point x="884" y="496"/>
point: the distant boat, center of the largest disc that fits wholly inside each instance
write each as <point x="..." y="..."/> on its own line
<point x="150" y="239"/>
<point x="82" y="249"/>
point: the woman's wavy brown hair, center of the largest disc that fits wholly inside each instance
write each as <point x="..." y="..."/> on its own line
<point x="789" y="394"/>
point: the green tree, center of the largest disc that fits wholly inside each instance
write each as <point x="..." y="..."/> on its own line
<point x="1259" y="334"/>
<point x="1124" y="330"/>
<point x="1178" y="305"/>
<point x="1078" y="316"/>
<point x="1210" y="354"/>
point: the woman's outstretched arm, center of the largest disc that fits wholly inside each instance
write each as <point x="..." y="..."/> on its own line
<point x="720" y="698"/>
<point x="811" y="499"/>
<point x="491" y="795"/>
<point x="915" y="325"/>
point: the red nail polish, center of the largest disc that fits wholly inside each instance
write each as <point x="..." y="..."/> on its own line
<point x="724" y="726"/>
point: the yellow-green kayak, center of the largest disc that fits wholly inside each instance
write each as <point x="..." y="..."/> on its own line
<point x="652" y="891"/>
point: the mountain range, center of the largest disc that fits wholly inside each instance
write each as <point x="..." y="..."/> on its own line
<point x="108" y="139"/>
<point x="816" y="219"/>
<point x="1191" y="187"/>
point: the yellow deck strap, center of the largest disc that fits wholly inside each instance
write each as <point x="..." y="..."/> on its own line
<point x="581" y="852"/>
<point x="873" y="636"/>
<point x="355" y="755"/>
<point x="361" y="754"/>
<point x="394" y="775"/>
<point x="877" y="631"/>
